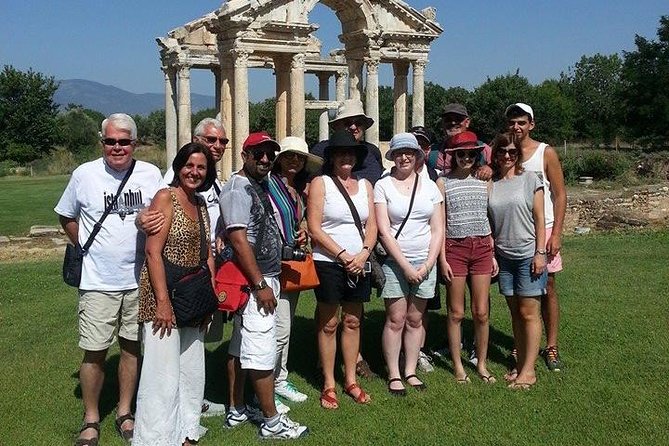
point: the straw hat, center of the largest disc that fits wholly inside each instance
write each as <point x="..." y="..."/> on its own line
<point x="293" y="144"/>
<point x="352" y="108"/>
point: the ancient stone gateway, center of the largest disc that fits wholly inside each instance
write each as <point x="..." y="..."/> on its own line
<point x="273" y="34"/>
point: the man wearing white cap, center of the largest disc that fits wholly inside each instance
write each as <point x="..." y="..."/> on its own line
<point x="543" y="159"/>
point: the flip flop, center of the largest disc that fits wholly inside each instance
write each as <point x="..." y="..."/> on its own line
<point x="396" y="392"/>
<point x="511" y="376"/>
<point x="421" y="386"/>
<point x="520" y="386"/>
<point x="125" y="434"/>
<point x="464" y="380"/>
<point x="329" y="399"/>
<point x="488" y="379"/>
<point x="361" y="398"/>
<point x="90" y="441"/>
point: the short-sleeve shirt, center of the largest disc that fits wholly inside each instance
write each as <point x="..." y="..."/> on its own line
<point x="241" y="207"/>
<point x="510" y="207"/>
<point x="414" y="240"/>
<point x="114" y="259"/>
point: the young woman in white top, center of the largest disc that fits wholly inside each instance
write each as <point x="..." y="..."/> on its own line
<point x="412" y="255"/>
<point x="340" y="254"/>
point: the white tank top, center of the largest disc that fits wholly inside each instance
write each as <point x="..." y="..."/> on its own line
<point x="337" y="219"/>
<point x="536" y="164"/>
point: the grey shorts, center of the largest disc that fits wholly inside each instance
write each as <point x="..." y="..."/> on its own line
<point x="103" y="313"/>
<point x="397" y="285"/>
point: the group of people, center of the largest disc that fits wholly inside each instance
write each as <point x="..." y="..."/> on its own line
<point x="459" y="212"/>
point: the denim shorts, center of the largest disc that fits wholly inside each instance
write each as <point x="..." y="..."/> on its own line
<point x="516" y="278"/>
<point x="397" y="285"/>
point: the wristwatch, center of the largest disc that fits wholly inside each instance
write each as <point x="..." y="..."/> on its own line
<point x="260" y="285"/>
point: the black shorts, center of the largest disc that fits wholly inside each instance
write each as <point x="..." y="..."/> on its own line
<point x="334" y="285"/>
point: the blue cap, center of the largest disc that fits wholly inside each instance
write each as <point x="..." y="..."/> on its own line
<point x="403" y="141"/>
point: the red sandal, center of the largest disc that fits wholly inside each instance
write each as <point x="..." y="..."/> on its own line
<point x="329" y="399"/>
<point x="361" y="397"/>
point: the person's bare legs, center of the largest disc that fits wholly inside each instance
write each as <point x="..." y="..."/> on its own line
<point x="550" y="312"/>
<point x="529" y="311"/>
<point x="413" y="329"/>
<point x="455" y="301"/>
<point x="350" y="342"/>
<point x="91" y="378"/>
<point x="327" y="321"/>
<point x="513" y="310"/>
<point x="480" y="290"/>
<point x="391" y="338"/>
<point x="128" y="366"/>
<point x="236" y="381"/>
<point x="263" y="386"/>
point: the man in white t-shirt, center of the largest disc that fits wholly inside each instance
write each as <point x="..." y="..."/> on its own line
<point x="543" y="159"/>
<point x="108" y="296"/>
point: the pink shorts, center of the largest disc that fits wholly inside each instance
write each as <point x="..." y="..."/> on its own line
<point x="469" y="255"/>
<point x="554" y="262"/>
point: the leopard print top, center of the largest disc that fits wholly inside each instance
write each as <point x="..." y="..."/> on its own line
<point x="182" y="248"/>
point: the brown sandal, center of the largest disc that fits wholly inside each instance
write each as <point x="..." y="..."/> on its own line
<point x="329" y="399"/>
<point x="125" y="434"/>
<point x="361" y="398"/>
<point x="88" y="441"/>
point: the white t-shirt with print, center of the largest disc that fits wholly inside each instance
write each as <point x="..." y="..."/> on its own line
<point x="210" y="196"/>
<point x="116" y="256"/>
<point x="414" y="240"/>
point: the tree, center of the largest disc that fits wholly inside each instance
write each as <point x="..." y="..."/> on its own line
<point x="554" y="113"/>
<point x="28" y="126"/>
<point x="645" y="96"/>
<point x="490" y="99"/>
<point x="77" y="129"/>
<point x="156" y="126"/>
<point x="593" y="85"/>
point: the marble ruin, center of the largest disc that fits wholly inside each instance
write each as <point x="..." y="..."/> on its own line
<point x="277" y="35"/>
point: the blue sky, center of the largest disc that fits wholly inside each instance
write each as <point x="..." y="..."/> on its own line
<point x="113" y="42"/>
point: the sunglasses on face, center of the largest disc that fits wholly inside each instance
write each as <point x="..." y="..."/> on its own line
<point x="259" y="153"/>
<point x="511" y="152"/>
<point x="466" y="153"/>
<point x="121" y="142"/>
<point x="213" y="139"/>
<point x="356" y="122"/>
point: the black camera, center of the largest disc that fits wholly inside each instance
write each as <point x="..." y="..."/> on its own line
<point x="289" y="252"/>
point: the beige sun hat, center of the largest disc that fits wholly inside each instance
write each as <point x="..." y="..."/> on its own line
<point x="294" y="144"/>
<point x="352" y="108"/>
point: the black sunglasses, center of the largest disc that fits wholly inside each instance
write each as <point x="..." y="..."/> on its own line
<point x="350" y="122"/>
<point x="120" y="142"/>
<point x="466" y="153"/>
<point x="259" y="152"/>
<point x="213" y="139"/>
<point x="511" y="152"/>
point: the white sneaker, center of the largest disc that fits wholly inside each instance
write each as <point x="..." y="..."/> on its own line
<point x="473" y="359"/>
<point x="248" y="414"/>
<point x="285" y="429"/>
<point x="425" y="362"/>
<point x="287" y="390"/>
<point x="211" y="409"/>
<point x="280" y="407"/>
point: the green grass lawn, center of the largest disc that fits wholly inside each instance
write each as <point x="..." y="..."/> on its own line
<point x="29" y="201"/>
<point x="613" y="337"/>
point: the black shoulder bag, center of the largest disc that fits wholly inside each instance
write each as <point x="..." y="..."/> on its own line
<point x="74" y="254"/>
<point x="190" y="289"/>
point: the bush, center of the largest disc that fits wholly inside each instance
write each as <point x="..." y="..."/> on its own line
<point x="598" y="164"/>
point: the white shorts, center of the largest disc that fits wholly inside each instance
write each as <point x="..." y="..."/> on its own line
<point x="253" y="338"/>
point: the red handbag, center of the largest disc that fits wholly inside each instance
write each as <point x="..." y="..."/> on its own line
<point x="232" y="288"/>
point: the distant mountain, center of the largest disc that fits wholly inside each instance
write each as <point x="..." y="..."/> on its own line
<point x="108" y="99"/>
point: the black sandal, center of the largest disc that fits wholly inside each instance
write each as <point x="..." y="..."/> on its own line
<point x="420" y="386"/>
<point x="396" y="392"/>
<point x="127" y="433"/>
<point x="90" y="441"/>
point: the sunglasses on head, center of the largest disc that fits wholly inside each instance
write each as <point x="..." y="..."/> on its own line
<point x="472" y="153"/>
<point x="121" y="142"/>
<point x="213" y="139"/>
<point x="259" y="152"/>
<point x="511" y="152"/>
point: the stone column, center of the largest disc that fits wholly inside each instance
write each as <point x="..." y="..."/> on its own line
<point x="372" y="100"/>
<point x="400" y="88"/>
<point x="226" y="114"/>
<point x="297" y="114"/>
<point x="418" y="117"/>
<point x="355" y="79"/>
<point x="184" y="106"/>
<point x="170" y="114"/>
<point x="217" y="87"/>
<point x="340" y="81"/>
<point x="282" y="73"/>
<point x="240" y="120"/>
<point x="323" y="95"/>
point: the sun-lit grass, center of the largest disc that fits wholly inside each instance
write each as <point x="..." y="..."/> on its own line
<point x="613" y="340"/>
